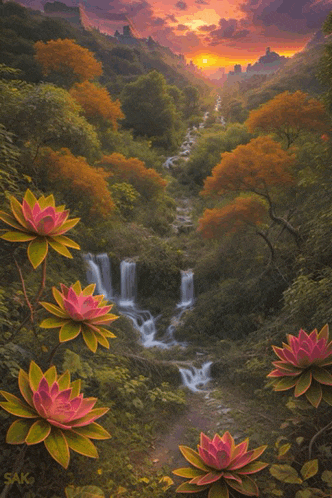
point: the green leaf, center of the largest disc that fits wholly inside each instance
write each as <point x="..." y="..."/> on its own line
<point x="75" y="388"/>
<point x="55" y="310"/>
<point x="38" y="432"/>
<point x="20" y="410"/>
<point x="284" y="449"/>
<point x="322" y="376"/>
<point x="309" y="469"/>
<point x="90" y="339"/>
<point x="35" y="375"/>
<point x="65" y="241"/>
<point x="77" y="288"/>
<point x="93" y="431"/>
<point x="81" y="444"/>
<point x="106" y="332"/>
<point x="314" y="394"/>
<point x="327" y="395"/>
<point x="101" y="338"/>
<point x="327" y="477"/>
<point x="37" y="251"/>
<point x="18" y="431"/>
<point x="304" y="493"/>
<point x="64" y="380"/>
<point x="23" y="383"/>
<point x="84" y="492"/>
<point x="17" y="211"/>
<point x="58" y="297"/>
<point x="60" y="248"/>
<point x="10" y="220"/>
<point x="30" y="198"/>
<point x="69" y="331"/>
<point x="57" y="447"/>
<point x="285" y="473"/>
<point x="17" y="237"/>
<point x="51" y="375"/>
<point x="303" y="383"/>
<point x="67" y="225"/>
<point x="324" y="333"/>
<point x="52" y="323"/>
<point x="89" y="290"/>
<point x="252" y="467"/>
<point x="95" y="413"/>
<point x="193" y="458"/>
<point x="247" y="487"/>
<point x="218" y="490"/>
<point x="185" y="487"/>
<point x="188" y="472"/>
<point x="285" y="383"/>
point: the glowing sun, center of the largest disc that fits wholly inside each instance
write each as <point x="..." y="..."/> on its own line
<point x="205" y="61"/>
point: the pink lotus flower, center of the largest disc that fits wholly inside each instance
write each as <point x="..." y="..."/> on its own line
<point x="64" y="418"/>
<point x="80" y="311"/>
<point x="302" y="365"/>
<point x="41" y="223"/>
<point x="220" y="464"/>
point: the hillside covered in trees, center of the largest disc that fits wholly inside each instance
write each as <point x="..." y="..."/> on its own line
<point x="85" y="130"/>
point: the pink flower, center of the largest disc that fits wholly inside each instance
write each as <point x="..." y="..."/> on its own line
<point x="302" y="365"/>
<point x="80" y="312"/>
<point x="220" y="464"/>
<point x="57" y="414"/>
<point x="40" y="223"/>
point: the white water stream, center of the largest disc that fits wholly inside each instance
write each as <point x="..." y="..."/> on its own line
<point x="99" y="272"/>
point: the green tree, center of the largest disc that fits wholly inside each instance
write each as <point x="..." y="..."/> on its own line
<point x="191" y="100"/>
<point x="47" y="115"/>
<point x="148" y="108"/>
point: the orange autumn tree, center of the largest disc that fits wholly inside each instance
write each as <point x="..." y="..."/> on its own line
<point x="256" y="167"/>
<point x="241" y="213"/>
<point x="97" y="103"/>
<point x="78" y="181"/>
<point x="146" y="181"/>
<point x="67" y="58"/>
<point x="289" y="115"/>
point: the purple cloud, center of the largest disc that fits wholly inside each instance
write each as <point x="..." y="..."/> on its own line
<point x="181" y="5"/>
<point x="209" y="28"/>
<point x="293" y="16"/>
<point x="228" y="29"/>
<point x="201" y="2"/>
<point x="182" y="27"/>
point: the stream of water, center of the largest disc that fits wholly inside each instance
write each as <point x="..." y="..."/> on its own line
<point x="99" y="272"/>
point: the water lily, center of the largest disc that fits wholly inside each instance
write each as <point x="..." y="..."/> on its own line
<point x="302" y="365"/>
<point x="54" y="412"/>
<point x="78" y="311"/>
<point x="41" y="223"/>
<point x="220" y="464"/>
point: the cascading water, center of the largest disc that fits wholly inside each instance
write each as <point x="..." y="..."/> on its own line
<point x="187" y="289"/>
<point x="128" y="284"/>
<point x="196" y="378"/>
<point x="99" y="272"/>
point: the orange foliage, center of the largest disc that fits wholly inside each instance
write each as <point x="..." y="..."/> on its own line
<point x="252" y="167"/>
<point x="66" y="55"/>
<point x="240" y="212"/>
<point x="96" y="101"/>
<point x="288" y="115"/>
<point x="145" y="180"/>
<point x="81" y="180"/>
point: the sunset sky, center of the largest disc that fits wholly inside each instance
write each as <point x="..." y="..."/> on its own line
<point x="214" y="33"/>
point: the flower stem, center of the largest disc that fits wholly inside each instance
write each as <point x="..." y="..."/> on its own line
<point x="314" y="437"/>
<point x="52" y="355"/>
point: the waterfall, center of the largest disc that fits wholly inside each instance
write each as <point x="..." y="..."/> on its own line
<point x="98" y="271"/>
<point x="187" y="289"/>
<point x="128" y="283"/>
<point x="104" y="264"/>
<point x="196" y="378"/>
